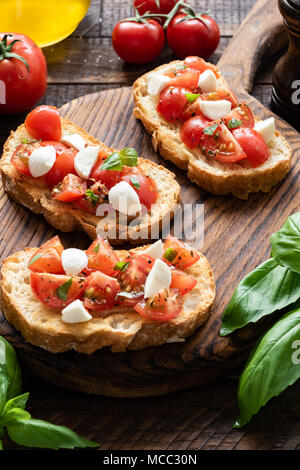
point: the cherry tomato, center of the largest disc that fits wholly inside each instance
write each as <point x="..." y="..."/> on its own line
<point x="48" y="258"/>
<point x="239" y="117"/>
<point x="107" y="177"/>
<point x="136" y="268"/>
<point x="182" y="281"/>
<point x="192" y="129"/>
<point x="253" y="145"/>
<point x="43" y="123"/>
<point x="64" y="163"/>
<point x="198" y="63"/>
<point x="220" y="95"/>
<point x="218" y="142"/>
<point x="144" y="186"/>
<point x="154" y="6"/>
<point x="163" y="306"/>
<point x="102" y="257"/>
<point x="138" y="42"/>
<point x="56" y="290"/>
<point x="70" y="189"/>
<point x="100" y="292"/>
<point x="20" y="158"/>
<point x="172" y="101"/>
<point x="191" y="110"/>
<point x="23" y="87"/>
<point x="193" y="37"/>
<point x="179" y="254"/>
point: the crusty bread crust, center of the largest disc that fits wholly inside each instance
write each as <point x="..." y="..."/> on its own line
<point x="120" y="330"/>
<point x="35" y="195"/>
<point x="213" y="176"/>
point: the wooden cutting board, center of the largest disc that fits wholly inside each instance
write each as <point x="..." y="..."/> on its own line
<point x="236" y="238"/>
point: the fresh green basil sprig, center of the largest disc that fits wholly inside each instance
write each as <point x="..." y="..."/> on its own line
<point x="18" y="423"/>
<point x="274" y="286"/>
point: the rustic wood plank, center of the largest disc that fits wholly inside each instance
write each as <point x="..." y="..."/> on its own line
<point x="200" y="418"/>
<point x="228" y="13"/>
<point x="93" y="60"/>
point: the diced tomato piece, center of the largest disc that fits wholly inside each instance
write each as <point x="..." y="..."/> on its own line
<point x="70" y="189"/>
<point x="192" y="130"/>
<point x="172" y="100"/>
<point x="135" y="268"/>
<point x="64" y="163"/>
<point x="144" y="186"/>
<point x="253" y="145"/>
<point x="100" y="292"/>
<point x="182" y="281"/>
<point x="56" y="290"/>
<point x="220" y="95"/>
<point x="239" y="117"/>
<point x="217" y="142"/>
<point x="102" y="257"/>
<point x="197" y="63"/>
<point x="185" y="78"/>
<point x="47" y="258"/>
<point x="163" y="306"/>
<point x="107" y="177"/>
<point x="20" y="158"/>
<point x="191" y="110"/>
<point x="179" y="254"/>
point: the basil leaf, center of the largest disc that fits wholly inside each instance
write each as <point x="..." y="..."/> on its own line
<point x="63" y="289"/>
<point x="129" y="157"/>
<point x="113" y="162"/>
<point x="192" y="96"/>
<point x="35" y="258"/>
<point x="38" y="433"/>
<point x="286" y="243"/>
<point x="270" y="368"/>
<point x="10" y="373"/>
<point x="170" y="254"/>
<point x="234" y="123"/>
<point x="135" y="182"/>
<point x="96" y="249"/>
<point x="121" y="266"/>
<point x="210" y="130"/>
<point x="180" y="67"/>
<point x="92" y="196"/>
<point x="264" y="290"/>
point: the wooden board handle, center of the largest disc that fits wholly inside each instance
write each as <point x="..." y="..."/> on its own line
<point x="262" y="34"/>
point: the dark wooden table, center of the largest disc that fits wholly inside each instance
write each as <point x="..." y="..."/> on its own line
<point x="200" y="418"/>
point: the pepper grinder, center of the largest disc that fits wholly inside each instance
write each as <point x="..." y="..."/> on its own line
<point x="286" y="75"/>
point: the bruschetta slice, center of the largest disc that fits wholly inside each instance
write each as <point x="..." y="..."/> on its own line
<point x="196" y="122"/>
<point x="62" y="299"/>
<point x="57" y="169"/>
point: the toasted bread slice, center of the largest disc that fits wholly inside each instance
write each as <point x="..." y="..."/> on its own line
<point x="119" y="328"/>
<point x="213" y="176"/>
<point x="37" y="196"/>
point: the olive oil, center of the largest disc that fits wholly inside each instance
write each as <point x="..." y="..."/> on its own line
<point x="44" y="21"/>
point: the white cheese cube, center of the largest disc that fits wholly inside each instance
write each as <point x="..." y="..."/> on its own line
<point x="156" y="83"/>
<point x="74" y="261"/>
<point x="75" y="141"/>
<point x="207" y="82"/>
<point x="159" y="278"/>
<point x="266" y="129"/>
<point x="75" y="313"/>
<point x="41" y="160"/>
<point x="215" y="109"/>
<point x="156" y="250"/>
<point x="85" y="159"/>
<point x="124" y="199"/>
